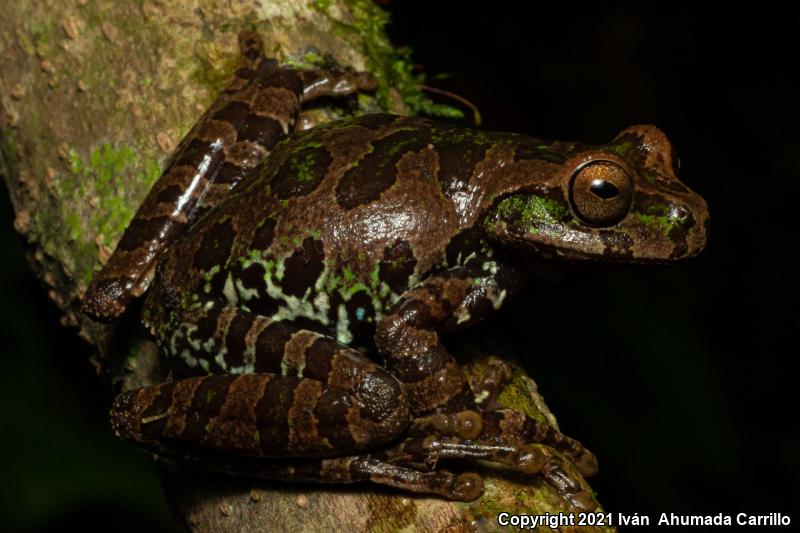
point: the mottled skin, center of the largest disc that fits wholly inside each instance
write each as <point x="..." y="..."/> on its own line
<point x="276" y="260"/>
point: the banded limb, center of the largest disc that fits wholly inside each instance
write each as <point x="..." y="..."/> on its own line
<point x="308" y="396"/>
<point x="440" y="397"/>
<point x="408" y="335"/>
<point x="344" y="470"/>
<point x="412" y="465"/>
<point x="426" y="452"/>
<point x="258" y="107"/>
<point x="508" y="427"/>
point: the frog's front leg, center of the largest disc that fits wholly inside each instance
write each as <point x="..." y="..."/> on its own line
<point x="408" y="336"/>
<point x="437" y="388"/>
<point x="309" y="396"/>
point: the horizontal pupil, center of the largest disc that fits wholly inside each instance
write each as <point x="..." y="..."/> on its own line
<point x="604" y="189"/>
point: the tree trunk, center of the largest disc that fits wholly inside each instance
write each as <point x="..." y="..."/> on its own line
<point x="94" y="96"/>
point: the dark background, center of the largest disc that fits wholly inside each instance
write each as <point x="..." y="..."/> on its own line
<point x="681" y="379"/>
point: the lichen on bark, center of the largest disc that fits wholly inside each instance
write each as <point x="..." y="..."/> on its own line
<point x="94" y="96"/>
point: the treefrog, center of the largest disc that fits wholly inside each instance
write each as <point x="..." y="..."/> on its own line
<point x="302" y="280"/>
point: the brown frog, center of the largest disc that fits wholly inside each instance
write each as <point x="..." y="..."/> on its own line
<point x="280" y="261"/>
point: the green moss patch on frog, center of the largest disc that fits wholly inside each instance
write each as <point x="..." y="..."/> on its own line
<point x="621" y="148"/>
<point x="535" y="214"/>
<point x="657" y="216"/>
<point x="303" y="166"/>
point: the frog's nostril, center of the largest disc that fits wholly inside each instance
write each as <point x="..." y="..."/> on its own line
<point x="679" y="212"/>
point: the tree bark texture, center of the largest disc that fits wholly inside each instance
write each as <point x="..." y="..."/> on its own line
<point x="94" y="96"/>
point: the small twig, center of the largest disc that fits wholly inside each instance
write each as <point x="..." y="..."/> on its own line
<point x="476" y="115"/>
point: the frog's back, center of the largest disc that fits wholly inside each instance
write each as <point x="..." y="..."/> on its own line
<point x="338" y="222"/>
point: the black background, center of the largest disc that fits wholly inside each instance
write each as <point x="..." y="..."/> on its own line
<point x="681" y="379"/>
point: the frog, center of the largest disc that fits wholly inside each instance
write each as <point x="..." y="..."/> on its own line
<point x="299" y="280"/>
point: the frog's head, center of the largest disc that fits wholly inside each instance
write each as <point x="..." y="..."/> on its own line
<point x="621" y="201"/>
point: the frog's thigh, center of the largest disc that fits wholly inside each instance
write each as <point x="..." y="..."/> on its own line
<point x="249" y="414"/>
<point x="224" y="338"/>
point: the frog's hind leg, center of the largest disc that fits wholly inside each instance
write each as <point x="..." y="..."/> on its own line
<point x="265" y="415"/>
<point x="214" y="142"/>
<point x="334" y="82"/>
<point x="490" y="421"/>
<point x="527" y="459"/>
<point x="508" y="427"/>
<point x="352" y="403"/>
<point x="258" y="107"/>
<point x="376" y="468"/>
<point x="414" y="465"/>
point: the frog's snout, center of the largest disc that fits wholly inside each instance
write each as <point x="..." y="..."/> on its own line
<point x="675" y="229"/>
<point x="669" y="221"/>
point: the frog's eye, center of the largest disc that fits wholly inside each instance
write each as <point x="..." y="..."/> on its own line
<point x="600" y="193"/>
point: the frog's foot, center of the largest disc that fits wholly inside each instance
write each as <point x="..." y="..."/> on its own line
<point x="505" y="427"/>
<point x="461" y="487"/>
<point x="335" y="82"/>
<point x="542" y="460"/>
<point x="376" y="468"/>
<point x="510" y="425"/>
<point x="556" y="473"/>
<point x="411" y="466"/>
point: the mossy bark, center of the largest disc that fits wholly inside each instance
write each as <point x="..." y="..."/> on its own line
<point x="94" y="96"/>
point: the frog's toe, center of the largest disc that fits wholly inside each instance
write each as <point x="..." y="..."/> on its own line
<point x="121" y="420"/>
<point x="586" y="463"/>
<point x="467" y="424"/>
<point x="130" y="419"/>
<point x="581" y="502"/>
<point x="531" y="459"/>
<point x="568" y="487"/>
<point x="467" y="487"/>
<point x="106" y="298"/>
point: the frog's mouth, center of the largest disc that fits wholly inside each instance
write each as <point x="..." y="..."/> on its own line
<point x="649" y="233"/>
